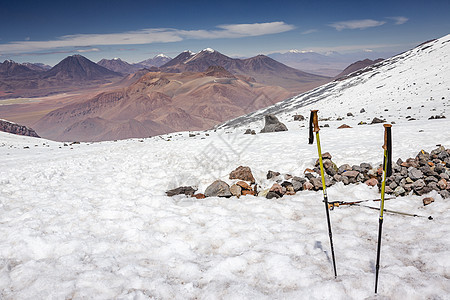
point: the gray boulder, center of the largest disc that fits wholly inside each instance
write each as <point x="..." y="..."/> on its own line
<point x="415" y="174"/>
<point x="218" y="188"/>
<point x="272" y="124"/>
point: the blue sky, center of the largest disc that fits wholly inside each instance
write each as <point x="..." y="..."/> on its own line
<point x="48" y="31"/>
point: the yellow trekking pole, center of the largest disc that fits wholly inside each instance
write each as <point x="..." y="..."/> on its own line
<point x="387" y="171"/>
<point x="314" y="127"/>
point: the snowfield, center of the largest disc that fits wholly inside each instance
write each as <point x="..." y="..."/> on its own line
<point x="92" y="221"/>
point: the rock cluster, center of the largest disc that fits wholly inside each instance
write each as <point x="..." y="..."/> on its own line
<point x="420" y="175"/>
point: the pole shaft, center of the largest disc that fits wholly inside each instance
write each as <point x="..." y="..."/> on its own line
<point x="380" y="223"/>
<point x="325" y="200"/>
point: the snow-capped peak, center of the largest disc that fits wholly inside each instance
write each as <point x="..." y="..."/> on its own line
<point x="116" y="58"/>
<point x="210" y="50"/>
<point x="162" y="55"/>
<point x="299" y="51"/>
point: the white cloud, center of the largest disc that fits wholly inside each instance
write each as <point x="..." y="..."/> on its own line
<point x="88" y="50"/>
<point x="356" y="24"/>
<point x="309" y="31"/>
<point x="399" y="20"/>
<point x="147" y="36"/>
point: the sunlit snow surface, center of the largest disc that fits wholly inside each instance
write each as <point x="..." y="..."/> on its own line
<point x="92" y="220"/>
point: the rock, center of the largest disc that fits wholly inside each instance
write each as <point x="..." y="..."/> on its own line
<point x="199" y="196"/>
<point x="244" y="185"/>
<point x="299" y="118"/>
<point x="309" y="176"/>
<point x="423" y="155"/>
<point x="430" y="179"/>
<point x="243" y="173"/>
<point x="444" y="176"/>
<point x="376" y="121"/>
<point x="419" y="184"/>
<point x="399" y="191"/>
<point x="308" y="186"/>
<point x="433" y="186"/>
<point x="271" y="195"/>
<point x="287" y="176"/>
<point x="372" y="182"/>
<point x="218" y="188"/>
<point x="289" y="187"/>
<point x="427" y="201"/>
<point x="326" y="155"/>
<point x="344" y="126"/>
<point x="360" y="177"/>
<point x="393" y="185"/>
<point x="351" y="174"/>
<point x="298" y="185"/>
<point x="272" y="174"/>
<point x="399" y="162"/>
<point x="277" y="189"/>
<point x="414" y="174"/>
<point x="317" y="183"/>
<point x="388" y="190"/>
<point x="247" y="192"/>
<point x="439" y="168"/>
<point x="272" y="124"/>
<point x="186" y="190"/>
<point x="248" y="131"/>
<point x="236" y="190"/>
<point x="365" y="166"/>
<point x="345" y="180"/>
<point x="343" y="168"/>
<point x="350" y="114"/>
<point x="444" y="194"/>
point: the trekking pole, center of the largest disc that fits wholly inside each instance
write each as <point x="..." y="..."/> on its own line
<point x="387" y="171"/>
<point x="314" y="122"/>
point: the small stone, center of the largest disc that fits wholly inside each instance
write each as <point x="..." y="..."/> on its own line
<point x="372" y="182"/>
<point x="271" y="195"/>
<point x="218" y="188"/>
<point x="244" y="185"/>
<point x="444" y="194"/>
<point x="427" y="201"/>
<point x="430" y="179"/>
<point x="399" y="191"/>
<point x="199" y="196"/>
<point x="242" y="173"/>
<point x="247" y="192"/>
<point x="345" y="180"/>
<point x="388" y="190"/>
<point x="343" y="168"/>
<point x="317" y="183"/>
<point x="376" y="121"/>
<point x="409" y="180"/>
<point x="248" y="131"/>
<point x="365" y="166"/>
<point x="326" y="155"/>
<point x="351" y="174"/>
<point x="444" y="176"/>
<point x="344" y="126"/>
<point x="186" y="190"/>
<point x="393" y="185"/>
<point x="236" y="190"/>
<point x="414" y="173"/>
<point x="272" y="174"/>
<point x="299" y="118"/>
<point x="433" y="186"/>
<point x="350" y="114"/>
<point x="277" y="189"/>
<point x="287" y="176"/>
<point x="308" y="186"/>
<point x="419" y="184"/>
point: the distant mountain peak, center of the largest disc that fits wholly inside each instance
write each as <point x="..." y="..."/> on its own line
<point x="210" y="50"/>
<point x="161" y="55"/>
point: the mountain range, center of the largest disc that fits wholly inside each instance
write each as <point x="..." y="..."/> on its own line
<point x="262" y="68"/>
<point x="160" y="103"/>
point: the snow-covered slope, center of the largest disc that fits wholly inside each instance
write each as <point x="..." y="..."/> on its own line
<point x="93" y="221"/>
<point x="419" y="79"/>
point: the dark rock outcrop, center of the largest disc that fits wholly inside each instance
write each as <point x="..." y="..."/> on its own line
<point x="17" y="129"/>
<point x="272" y="124"/>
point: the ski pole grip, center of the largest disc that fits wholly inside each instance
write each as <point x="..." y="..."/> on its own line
<point x="387" y="128"/>
<point x="315" y="120"/>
